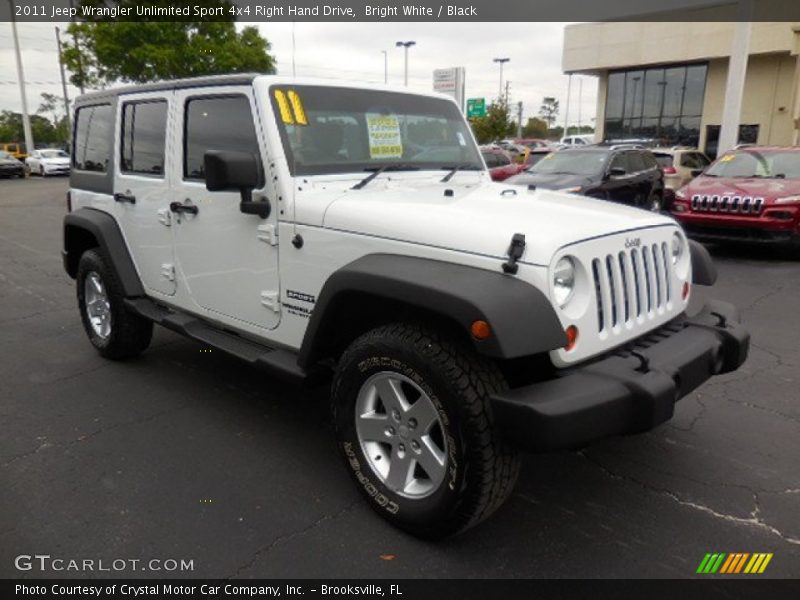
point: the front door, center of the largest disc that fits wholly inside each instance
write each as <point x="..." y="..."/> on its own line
<point x="227" y="261"/>
<point x="142" y="187"/>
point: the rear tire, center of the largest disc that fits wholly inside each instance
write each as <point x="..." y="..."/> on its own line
<point x="454" y="469"/>
<point x="115" y="332"/>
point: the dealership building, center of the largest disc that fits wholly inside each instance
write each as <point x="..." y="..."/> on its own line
<point x="667" y="81"/>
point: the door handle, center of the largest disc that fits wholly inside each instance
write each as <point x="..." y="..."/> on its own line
<point x="178" y="207"/>
<point x="126" y="197"/>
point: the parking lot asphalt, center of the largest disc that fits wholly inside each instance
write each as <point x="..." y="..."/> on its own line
<point x="184" y="454"/>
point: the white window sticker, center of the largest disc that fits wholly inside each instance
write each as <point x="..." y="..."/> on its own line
<point x="384" y="136"/>
<point x="461" y="139"/>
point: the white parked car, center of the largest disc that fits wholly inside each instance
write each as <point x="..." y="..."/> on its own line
<point x="323" y="230"/>
<point x="48" y="162"/>
<point x="577" y="140"/>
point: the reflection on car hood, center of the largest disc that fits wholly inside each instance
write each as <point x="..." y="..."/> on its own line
<point x="742" y="186"/>
<point x="9" y="161"/>
<point x="479" y="218"/>
<point x="550" y="181"/>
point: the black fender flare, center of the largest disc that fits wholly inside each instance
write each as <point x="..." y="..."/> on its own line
<point x="521" y="317"/>
<point x="703" y="270"/>
<point x="104" y="229"/>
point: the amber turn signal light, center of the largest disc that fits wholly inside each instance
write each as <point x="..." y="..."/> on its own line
<point x="480" y="330"/>
<point x="572" y="337"/>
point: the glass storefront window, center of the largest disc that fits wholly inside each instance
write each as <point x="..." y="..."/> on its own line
<point x="660" y="103"/>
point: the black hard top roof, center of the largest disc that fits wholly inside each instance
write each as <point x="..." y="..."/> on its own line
<point x="175" y="84"/>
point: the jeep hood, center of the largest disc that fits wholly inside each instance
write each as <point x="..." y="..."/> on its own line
<point x="744" y="186"/>
<point x="481" y="218"/>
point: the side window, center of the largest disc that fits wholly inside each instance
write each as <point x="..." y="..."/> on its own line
<point x="216" y="123"/>
<point x="144" y="127"/>
<point x="635" y="162"/>
<point x="490" y="159"/>
<point x="502" y="160"/>
<point x="688" y="160"/>
<point x="650" y="161"/>
<point x="702" y="161"/>
<point x="619" y="162"/>
<point x="92" y="147"/>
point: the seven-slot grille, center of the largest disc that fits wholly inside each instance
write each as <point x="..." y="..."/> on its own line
<point x="634" y="284"/>
<point x="726" y="203"/>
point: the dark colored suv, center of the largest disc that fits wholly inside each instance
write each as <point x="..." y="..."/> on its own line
<point x="625" y="174"/>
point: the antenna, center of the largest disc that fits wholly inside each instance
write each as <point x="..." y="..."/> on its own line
<point x="294" y="70"/>
<point x="297" y="241"/>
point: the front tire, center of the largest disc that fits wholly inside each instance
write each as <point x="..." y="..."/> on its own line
<point x="413" y="422"/>
<point x="115" y="332"/>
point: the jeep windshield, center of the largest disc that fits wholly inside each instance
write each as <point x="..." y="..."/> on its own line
<point x="328" y="130"/>
<point x="751" y="163"/>
<point x="571" y="162"/>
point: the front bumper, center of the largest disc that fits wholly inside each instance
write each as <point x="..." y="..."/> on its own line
<point x="630" y="391"/>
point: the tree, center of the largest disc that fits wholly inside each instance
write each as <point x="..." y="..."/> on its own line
<point x="106" y="51"/>
<point x="549" y="110"/>
<point x="535" y="128"/>
<point x="49" y="106"/>
<point x="495" y="125"/>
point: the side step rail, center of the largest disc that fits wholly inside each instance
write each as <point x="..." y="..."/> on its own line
<point x="279" y="361"/>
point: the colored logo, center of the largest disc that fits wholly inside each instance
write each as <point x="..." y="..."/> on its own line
<point x="734" y="563"/>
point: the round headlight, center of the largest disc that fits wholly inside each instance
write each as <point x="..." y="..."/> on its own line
<point x="677" y="247"/>
<point x="563" y="281"/>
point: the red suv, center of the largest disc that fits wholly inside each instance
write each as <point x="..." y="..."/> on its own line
<point x="749" y="194"/>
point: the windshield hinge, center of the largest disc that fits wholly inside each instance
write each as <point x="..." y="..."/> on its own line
<point x="515" y="251"/>
<point x="268" y="234"/>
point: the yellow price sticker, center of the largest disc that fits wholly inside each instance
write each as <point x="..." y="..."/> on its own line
<point x="727" y="158"/>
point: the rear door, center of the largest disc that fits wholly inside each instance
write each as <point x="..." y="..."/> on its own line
<point x="227" y="261"/>
<point x="620" y="188"/>
<point x="142" y="187"/>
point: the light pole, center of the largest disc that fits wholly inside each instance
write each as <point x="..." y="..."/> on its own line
<point x="26" y="122"/>
<point x="502" y="61"/>
<point x="385" y="66"/>
<point x="406" y="46"/>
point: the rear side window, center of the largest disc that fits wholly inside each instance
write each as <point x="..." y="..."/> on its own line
<point x="693" y="160"/>
<point x="650" y="161"/>
<point x="491" y="159"/>
<point x="503" y="160"/>
<point x="92" y="145"/>
<point x="635" y="162"/>
<point x="664" y="160"/>
<point x="218" y="123"/>
<point x="143" y="136"/>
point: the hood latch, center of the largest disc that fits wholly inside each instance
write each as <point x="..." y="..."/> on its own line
<point x="515" y="251"/>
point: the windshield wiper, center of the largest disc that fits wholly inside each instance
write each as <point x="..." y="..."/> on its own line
<point x="454" y="170"/>
<point x="379" y="170"/>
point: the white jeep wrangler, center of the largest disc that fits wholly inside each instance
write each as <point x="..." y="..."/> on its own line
<point x="316" y="228"/>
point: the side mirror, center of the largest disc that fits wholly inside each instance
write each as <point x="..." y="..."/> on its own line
<point x="696" y="172"/>
<point x="617" y="172"/>
<point x="227" y="170"/>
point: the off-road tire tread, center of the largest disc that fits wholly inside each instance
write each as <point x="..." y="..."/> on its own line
<point x="130" y="334"/>
<point x="475" y="380"/>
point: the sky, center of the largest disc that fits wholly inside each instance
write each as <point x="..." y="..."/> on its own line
<point x="353" y="51"/>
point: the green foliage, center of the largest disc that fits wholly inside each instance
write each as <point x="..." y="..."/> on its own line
<point x="549" y="110"/>
<point x="107" y="51"/>
<point x="48" y="127"/>
<point x="496" y="125"/>
<point x="535" y="128"/>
